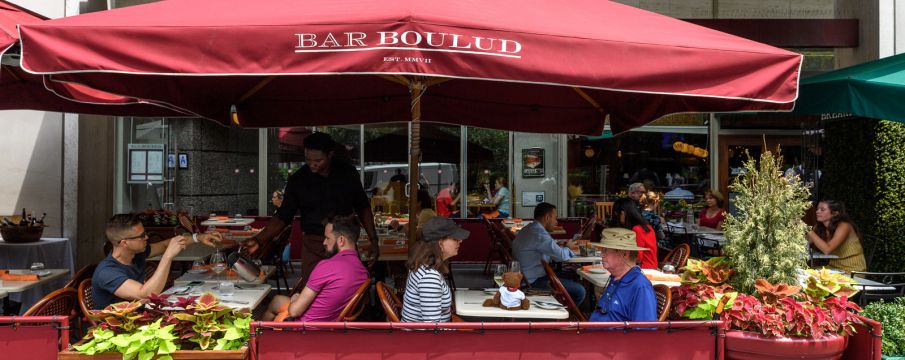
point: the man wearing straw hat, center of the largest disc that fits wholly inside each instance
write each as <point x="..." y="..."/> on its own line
<point x="629" y="296"/>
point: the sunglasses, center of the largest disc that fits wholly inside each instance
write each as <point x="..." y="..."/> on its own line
<point x="143" y="235"/>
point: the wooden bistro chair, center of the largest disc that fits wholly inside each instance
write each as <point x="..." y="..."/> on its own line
<point x="498" y="248"/>
<point x="61" y="302"/>
<point x="603" y="210"/>
<point x="86" y="301"/>
<point x="677" y="257"/>
<point x="84" y="273"/>
<point x="355" y="306"/>
<point x="390" y="302"/>
<point x="561" y="295"/>
<point x="664" y="301"/>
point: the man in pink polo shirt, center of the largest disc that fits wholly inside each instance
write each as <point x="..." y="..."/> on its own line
<point x="333" y="281"/>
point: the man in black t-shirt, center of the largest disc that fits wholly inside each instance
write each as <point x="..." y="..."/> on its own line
<point x="323" y="187"/>
<point x="121" y="275"/>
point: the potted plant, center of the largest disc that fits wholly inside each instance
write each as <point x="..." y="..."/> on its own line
<point x="892" y="316"/>
<point x="770" y="307"/>
<point x="187" y="328"/>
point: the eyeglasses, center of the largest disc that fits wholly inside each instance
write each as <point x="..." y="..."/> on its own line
<point x="143" y="235"/>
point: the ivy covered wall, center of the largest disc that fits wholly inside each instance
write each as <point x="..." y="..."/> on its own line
<point x="864" y="166"/>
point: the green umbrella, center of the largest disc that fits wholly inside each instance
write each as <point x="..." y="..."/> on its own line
<point x="875" y="89"/>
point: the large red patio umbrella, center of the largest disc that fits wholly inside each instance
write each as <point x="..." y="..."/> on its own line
<point x="524" y="65"/>
<point x="21" y="90"/>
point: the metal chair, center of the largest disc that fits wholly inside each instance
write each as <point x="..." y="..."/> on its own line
<point x="498" y="250"/>
<point x="664" y="301"/>
<point x="355" y="306"/>
<point x="390" y="302"/>
<point x="704" y="248"/>
<point x="677" y="257"/>
<point x="893" y="286"/>
<point x="561" y="294"/>
<point x="870" y="244"/>
<point x="84" y="273"/>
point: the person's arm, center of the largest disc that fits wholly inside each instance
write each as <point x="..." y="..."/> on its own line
<point x="134" y="290"/>
<point x="273" y="228"/>
<point x="827" y="247"/>
<point x="366" y="216"/>
<point x="430" y="289"/>
<point x="549" y="247"/>
<point x="160" y="247"/>
<point x="300" y="304"/>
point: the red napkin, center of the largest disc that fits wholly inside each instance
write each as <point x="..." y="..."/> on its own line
<point x="5" y="275"/>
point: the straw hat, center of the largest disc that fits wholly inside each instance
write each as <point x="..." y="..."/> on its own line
<point x="619" y="239"/>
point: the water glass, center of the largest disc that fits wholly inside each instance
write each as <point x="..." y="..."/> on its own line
<point x="669" y="269"/>
<point x="515" y="266"/>
<point x="227" y="288"/>
<point x="38" y="266"/>
<point x="498" y="274"/>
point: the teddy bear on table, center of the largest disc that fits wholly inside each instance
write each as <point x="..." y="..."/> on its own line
<point x="509" y="297"/>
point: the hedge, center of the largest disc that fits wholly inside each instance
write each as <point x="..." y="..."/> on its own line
<point x="864" y="166"/>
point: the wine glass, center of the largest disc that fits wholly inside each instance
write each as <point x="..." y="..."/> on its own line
<point x="498" y="274"/>
<point x="218" y="262"/>
<point x="669" y="269"/>
<point x="514" y="266"/>
<point x="36" y="267"/>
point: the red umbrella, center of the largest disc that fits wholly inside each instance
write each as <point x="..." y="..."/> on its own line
<point x="21" y="90"/>
<point x="525" y="65"/>
<point x="538" y="66"/>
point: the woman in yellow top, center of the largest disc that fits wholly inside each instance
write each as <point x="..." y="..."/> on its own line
<point x="836" y="234"/>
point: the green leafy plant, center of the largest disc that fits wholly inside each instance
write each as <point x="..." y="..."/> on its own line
<point x="823" y="283"/>
<point x="161" y="327"/>
<point x="714" y="271"/>
<point x="892" y="316"/>
<point x="766" y="239"/>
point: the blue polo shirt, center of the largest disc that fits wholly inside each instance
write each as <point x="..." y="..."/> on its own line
<point x="628" y="299"/>
<point x="110" y="274"/>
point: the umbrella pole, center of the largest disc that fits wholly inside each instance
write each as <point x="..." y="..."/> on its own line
<point x="416" y="88"/>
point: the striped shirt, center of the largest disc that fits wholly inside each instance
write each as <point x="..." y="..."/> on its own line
<point x="427" y="297"/>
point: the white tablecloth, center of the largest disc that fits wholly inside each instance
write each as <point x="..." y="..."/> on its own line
<point x="55" y="253"/>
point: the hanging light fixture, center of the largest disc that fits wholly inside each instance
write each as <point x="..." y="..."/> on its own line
<point x="588" y="152"/>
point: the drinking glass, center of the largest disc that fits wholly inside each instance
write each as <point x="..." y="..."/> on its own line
<point x="198" y="264"/>
<point x="515" y="266"/>
<point x="498" y="274"/>
<point x="227" y="288"/>
<point x="669" y="269"/>
<point x="38" y="266"/>
<point x="218" y="262"/>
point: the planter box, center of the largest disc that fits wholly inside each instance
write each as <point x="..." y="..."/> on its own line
<point x="743" y="345"/>
<point x="240" y="354"/>
<point x="893" y="357"/>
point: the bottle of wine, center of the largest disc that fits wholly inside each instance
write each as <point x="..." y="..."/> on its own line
<point x="41" y="220"/>
<point x="24" y="220"/>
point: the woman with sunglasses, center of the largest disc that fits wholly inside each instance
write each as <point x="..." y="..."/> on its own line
<point x="629" y="296"/>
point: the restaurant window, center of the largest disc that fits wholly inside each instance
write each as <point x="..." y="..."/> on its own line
<point x="194" y="165"/>
<point x="601" y="168"/>
<point x="488" y="159"/>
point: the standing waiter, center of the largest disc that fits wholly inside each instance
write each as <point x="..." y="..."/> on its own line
<point x="323" y="187"/>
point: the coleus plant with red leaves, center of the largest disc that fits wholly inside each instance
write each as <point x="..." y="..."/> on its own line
<point x="193" y="323"/>
<point x="776" y="310"/>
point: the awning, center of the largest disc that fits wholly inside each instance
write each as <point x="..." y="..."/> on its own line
<point x="874" y="89"/>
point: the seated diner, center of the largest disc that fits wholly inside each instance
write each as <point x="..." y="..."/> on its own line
<point x="121" y="275"/>
<point x="628" y="296"/>
<point x="836" y="234"/>
<point x="428" y="297"/>
<point x="333" y="281"/>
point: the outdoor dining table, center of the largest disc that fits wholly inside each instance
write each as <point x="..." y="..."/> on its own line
<point x="20" y="287"/>
<point x="54" y="253"/>
<point x="470" y="303"/>
<point x="601" y="279"/>
<point x="229" y="222"/>
<point x="870" y="285"/>
<point x="196" y="252"/>
<point x="249" y="296"/>
<point x="582" y="259"/>
<point x="212" y="277"/>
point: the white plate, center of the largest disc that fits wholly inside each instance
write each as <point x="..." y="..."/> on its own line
<point x="197" y="271"/>
<point x="43" y="272"/>
<point x="597" y="271"/>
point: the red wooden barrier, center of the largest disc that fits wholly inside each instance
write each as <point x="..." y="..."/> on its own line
<point x="351" y="341"/>
<point x="33" y="337"/>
